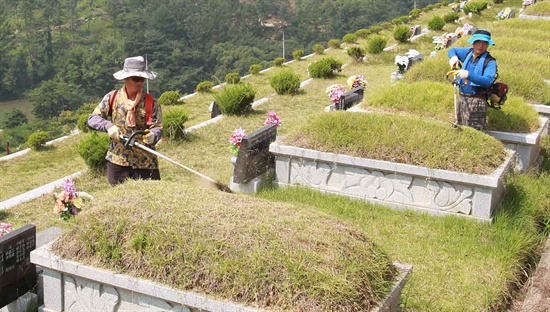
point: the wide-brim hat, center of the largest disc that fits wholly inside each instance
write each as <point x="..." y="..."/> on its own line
<point x="134" y="67"/>
<point x="482" y="35"/>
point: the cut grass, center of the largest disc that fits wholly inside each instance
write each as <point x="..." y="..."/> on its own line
<point x="263" y="254"/>
<point x="541" y="8"/>
<point x="405" y="140"/>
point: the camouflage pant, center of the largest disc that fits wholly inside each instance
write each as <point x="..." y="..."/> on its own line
<point x="472" y="112"/>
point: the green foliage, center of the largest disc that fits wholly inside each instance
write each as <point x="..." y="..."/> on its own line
<point x="232" y="78"/>
<point x="37" y="140"/>
<point x="498" y="1"/>
<point x="401" y="34"/>
<point x="50" y="98"/>
<point x="386" y="25"/>
<point x="401" y="20"/>
<point x="297" y="55"/>
<point x="350" y="38"/>
<point x="474" y="7"/>
<point x="451" y="17"/>
<point x="235" y="99"/>
<point x="82" y="123"/>
<point x="362" y="33"/>
<point x="334" y="43"/>
<point x="174" y="120"/>
<point x="319" y="49"/>
<point x="205" y="86"/>
<point x="324" y="68"/>
<point x="255" y="69"/>
<point x="375" y="29"/>
<point x="376" y="45"/>
<point x="14" y="118"/>
<point x="415" y="13"/>
<point x="436" y="22"/>
<point x="169" y="98"/>
<point x="356" y="53"/>
<point x="278" y="62"/>
<point x="285" y="82"/>
<point x="93" y="149"/>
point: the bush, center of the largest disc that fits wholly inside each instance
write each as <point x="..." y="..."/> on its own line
<point x="169" y="98"/>
<point x="375" y="29"/>
<point x="93" y="150"/>
<point x="362" y="33"/>
<point x="474" y="7"/>
<point x="350" y="38"/>
<point x="232" y="78"/>
<point x="451" y="17"/>
<point x="235" y="99"/>
<point x="297" y="55"/>
<point x="318" y="49"/>
<point x="356" y="53"/>
<point x="386" y="26"/>
<point x="173" y="121"/>
<point x="37" y="140"/>
<point x="402" y="33"/>
<point x="415" y="13"/>
<point x="285" y="82"/>
<point x="324" y="68"/>
<point x="205" y="86"/>
<point x="498" y="1"/>
<point x="376" y="45"/>
<point x="255" y="69"/>
<point x="82" y="123"/>
<point x="278" y="62"/>
<point x="334" y="43"/>
<point x="436" y="23"/>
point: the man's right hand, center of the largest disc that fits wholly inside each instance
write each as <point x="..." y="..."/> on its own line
<point x="453" y="62"/>
<point x="114" y="132"/>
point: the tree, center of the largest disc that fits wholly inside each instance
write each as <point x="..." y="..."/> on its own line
<point x="14" y="118"/>
<point x="52" y="97"/>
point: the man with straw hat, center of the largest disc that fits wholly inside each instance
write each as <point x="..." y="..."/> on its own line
<point x="477" y="74"/>
<point x="124" y="111"/>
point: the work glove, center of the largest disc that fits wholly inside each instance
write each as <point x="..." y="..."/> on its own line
<point x="114" y="132"/>
<point x="453" y="62"/>
<point x="462" y="73"/>
<point x="149" y="138"/>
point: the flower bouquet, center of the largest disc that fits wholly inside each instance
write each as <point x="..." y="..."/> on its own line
<point x="356" y="81"/>
<point x="5" y="228"/>
<point x="65" y="205"/>
<point x="235" y="140"/>
<point x="273" y="119"/>
<point x="335" y="91"/>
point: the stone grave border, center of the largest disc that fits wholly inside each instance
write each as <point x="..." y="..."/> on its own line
<point x="400" y="186"/>
<point x="67" y="284"/>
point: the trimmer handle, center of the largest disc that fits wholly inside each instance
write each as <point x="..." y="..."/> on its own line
<point x="131" y="140"/>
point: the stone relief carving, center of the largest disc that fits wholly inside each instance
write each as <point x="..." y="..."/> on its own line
<point x="82" y="296"/>
<point x="377" y="185"/>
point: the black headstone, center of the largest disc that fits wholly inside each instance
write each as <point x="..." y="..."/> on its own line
<point x="350" y="98"/>
<point x="215" y="109"/>
<point x="17" y="273"/>
<point x="254" y="158"/>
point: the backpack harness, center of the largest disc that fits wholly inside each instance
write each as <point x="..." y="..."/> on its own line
<point x="149" y="100"/>
<point x="497" y="92"/>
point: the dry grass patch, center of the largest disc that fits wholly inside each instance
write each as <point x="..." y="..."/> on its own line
<point x="248" y="250"/>
<point x="401" y="139"/>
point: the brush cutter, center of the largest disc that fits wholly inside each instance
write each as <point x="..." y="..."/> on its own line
<point x="131" y="142"/>
<point x="454" y="81"/>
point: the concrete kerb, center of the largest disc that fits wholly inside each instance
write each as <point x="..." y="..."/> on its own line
<point x="37" y="192"/>
<point x="25" y="151"/>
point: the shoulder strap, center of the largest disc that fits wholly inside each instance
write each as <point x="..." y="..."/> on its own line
<point x="149" y="101"/>
<point x="488" y="58"/>
<point x="112" y="100"/>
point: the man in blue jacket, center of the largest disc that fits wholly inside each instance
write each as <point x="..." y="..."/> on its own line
<point x="477" y="74"/>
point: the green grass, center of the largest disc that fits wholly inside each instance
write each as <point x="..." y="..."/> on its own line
<point x="541" y="8"/>
<point x="242" y="249"/>
<point x="25" y="106"/>
<point x="459" y="264"/>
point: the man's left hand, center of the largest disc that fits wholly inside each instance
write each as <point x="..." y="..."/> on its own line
<point x="462" y="73"/>
<point x="149" y="138"/>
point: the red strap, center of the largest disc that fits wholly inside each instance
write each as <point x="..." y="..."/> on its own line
<point x="149" y="101"/>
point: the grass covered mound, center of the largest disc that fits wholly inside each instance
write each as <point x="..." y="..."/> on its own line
<point x="401" y="139"/>
<point x="539" y="9"/>
<point x="428" y="99"/>
<point x="248" y="250"/>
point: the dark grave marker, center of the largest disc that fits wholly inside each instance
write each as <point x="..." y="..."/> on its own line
<point x="254" y="158"/>
<point x="350" y="98"/>
<point x="17" y="273"/>
<point x="215" y="109"/>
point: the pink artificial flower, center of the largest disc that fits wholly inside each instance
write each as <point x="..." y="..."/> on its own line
<point x="272" y="118"/>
